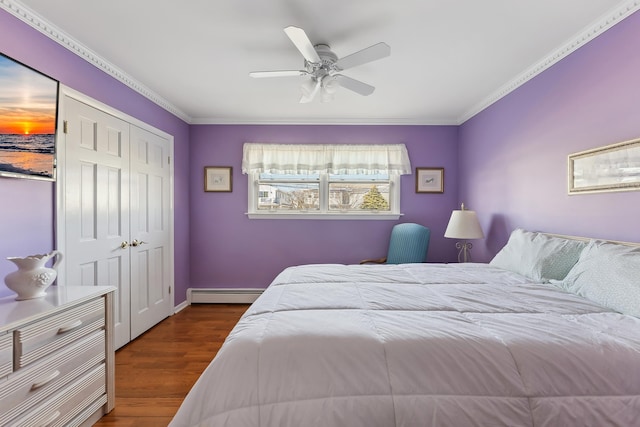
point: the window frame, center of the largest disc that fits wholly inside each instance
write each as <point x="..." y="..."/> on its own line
<point x="323" y="212"/>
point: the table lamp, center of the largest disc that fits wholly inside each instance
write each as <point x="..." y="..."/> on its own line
<point x="464" y="225"/>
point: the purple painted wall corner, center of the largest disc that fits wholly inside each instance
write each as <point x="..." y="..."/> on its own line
<point x="508" y="163"/>
<point x="233" y="251"/>
<point x="513" y="155"/>
<point x="30" y="229"/>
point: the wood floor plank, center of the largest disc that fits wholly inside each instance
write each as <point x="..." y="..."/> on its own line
<point x="155" y="372"/>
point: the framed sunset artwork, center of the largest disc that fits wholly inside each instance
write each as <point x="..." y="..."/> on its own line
<point x="28" y="117"/>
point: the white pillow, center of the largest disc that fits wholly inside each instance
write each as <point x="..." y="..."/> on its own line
<point x="608" y="274"/>
<point x="538" y="256"/>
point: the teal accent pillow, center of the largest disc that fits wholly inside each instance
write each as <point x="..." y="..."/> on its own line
<point x="609" y="274"/>
<point x="538" y="256"/>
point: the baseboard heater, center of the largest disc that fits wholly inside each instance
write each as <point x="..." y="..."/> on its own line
<point x="222" y="296"/>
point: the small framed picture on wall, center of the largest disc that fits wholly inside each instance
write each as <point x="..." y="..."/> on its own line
<point x="218" y="178"/>
<point x="429" y="180"/>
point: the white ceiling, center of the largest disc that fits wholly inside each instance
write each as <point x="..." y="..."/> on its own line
<point x="449" y="59"/>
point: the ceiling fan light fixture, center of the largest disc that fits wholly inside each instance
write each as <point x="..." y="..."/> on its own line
<point x="330" y="85"/>
<point x="326" y="96"/>
<point x="307" y="87"/>
<point x="309" y="90"/>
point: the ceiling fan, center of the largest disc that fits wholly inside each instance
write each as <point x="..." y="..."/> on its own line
<point x="324" y="67"/>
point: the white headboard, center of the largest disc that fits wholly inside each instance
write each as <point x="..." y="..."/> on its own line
<point x="586" y="239"/>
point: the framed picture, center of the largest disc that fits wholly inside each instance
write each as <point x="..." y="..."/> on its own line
<point x="429" y="180"/>
<point x="614" y="167"/>
<point x="28" y="117"/>
<point x="218" y="178"/>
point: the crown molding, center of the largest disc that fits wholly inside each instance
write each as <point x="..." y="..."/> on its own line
<point x="327" y="121"/>
<point x="600" y="26"/>
<point x="37" y="22"/>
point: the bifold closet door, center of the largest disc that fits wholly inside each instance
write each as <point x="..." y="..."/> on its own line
<point x="96" y="205"/>
<point x="151" y="298"/>
<point x="116" y="202"/>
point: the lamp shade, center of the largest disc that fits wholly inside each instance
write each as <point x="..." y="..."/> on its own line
<point x="464" y="224"/>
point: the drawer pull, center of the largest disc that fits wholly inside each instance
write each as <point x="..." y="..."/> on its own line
<point x="45" y="381"/>
<point x="51" y="419"/>
<point x="70" y="327"/>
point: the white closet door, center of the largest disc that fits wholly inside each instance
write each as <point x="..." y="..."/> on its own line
<point x="96" y="205"/>
<point x="151" y="298"/>
<point x="115" y="214"/>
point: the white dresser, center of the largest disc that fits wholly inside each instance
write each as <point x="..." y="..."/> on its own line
<point x="57" y="357"/>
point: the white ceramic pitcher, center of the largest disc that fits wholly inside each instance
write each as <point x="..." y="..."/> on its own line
<point x="32" y="278"/>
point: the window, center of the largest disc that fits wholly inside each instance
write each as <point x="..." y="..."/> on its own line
<point x="277" y="192"/>
<point x="324" y="181"/>
<point x="359" y="193"/>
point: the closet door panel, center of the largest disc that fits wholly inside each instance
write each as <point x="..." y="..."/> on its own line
<point x="150" y="237"/>
<point x="96" y="205"/>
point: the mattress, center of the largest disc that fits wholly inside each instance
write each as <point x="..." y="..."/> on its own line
<point x="420" y="345"/>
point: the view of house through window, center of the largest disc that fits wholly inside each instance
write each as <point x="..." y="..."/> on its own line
<point x="359" y="192"/>
<point x="288" y="192"/>
<point x="343" y="193"/>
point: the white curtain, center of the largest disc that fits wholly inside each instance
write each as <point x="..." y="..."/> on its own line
<point x="305" y="159"/>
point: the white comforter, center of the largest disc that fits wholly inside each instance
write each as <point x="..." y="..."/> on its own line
<point x="420" y="345"/>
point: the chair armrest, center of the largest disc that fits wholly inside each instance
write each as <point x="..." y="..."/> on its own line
<point x="374" y="261"/>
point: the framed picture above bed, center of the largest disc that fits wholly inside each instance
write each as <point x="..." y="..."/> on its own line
<point x="614" y="167"/>
<point x="429" y="180"/>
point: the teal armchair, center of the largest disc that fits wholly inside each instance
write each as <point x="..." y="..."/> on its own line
<point x="409" y="243"/>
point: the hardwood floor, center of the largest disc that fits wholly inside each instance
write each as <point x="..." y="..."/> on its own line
<point x="156" y="370"/>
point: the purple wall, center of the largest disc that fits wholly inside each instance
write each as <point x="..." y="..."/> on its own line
<point x="230" y="250"/>
<point x="29" y="229"/>
<point x="508" y="163"/>
<point x="513" y="155"/>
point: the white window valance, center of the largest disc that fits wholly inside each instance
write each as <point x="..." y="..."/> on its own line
<point x="306" y="159"/>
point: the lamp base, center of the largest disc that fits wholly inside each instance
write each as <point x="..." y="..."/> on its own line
<point x="464" y="254"/>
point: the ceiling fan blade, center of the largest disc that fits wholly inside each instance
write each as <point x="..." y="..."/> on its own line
<point x="310" y="90"/>
<point x="354" y="85"/>
<point x="372" y="53"/>
<point x="281" y="73"/>
<point x="302" y="42"/>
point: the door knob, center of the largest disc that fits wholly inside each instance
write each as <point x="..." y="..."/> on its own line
<point x="137" y="242"/>
<point x="124" y="245"/>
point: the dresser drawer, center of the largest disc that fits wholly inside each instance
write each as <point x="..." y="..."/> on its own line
<point x="6" y="355"/>
<point x="65" y="405"/>
<point x="42" y="338"/>
<point x="31" y="385"/>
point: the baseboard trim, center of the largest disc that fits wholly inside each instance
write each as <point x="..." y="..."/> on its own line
<point x="180" y="307"/>
<point x="222" y="295"/>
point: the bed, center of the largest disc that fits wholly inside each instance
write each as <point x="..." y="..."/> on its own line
<point x="528" y="344"/>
